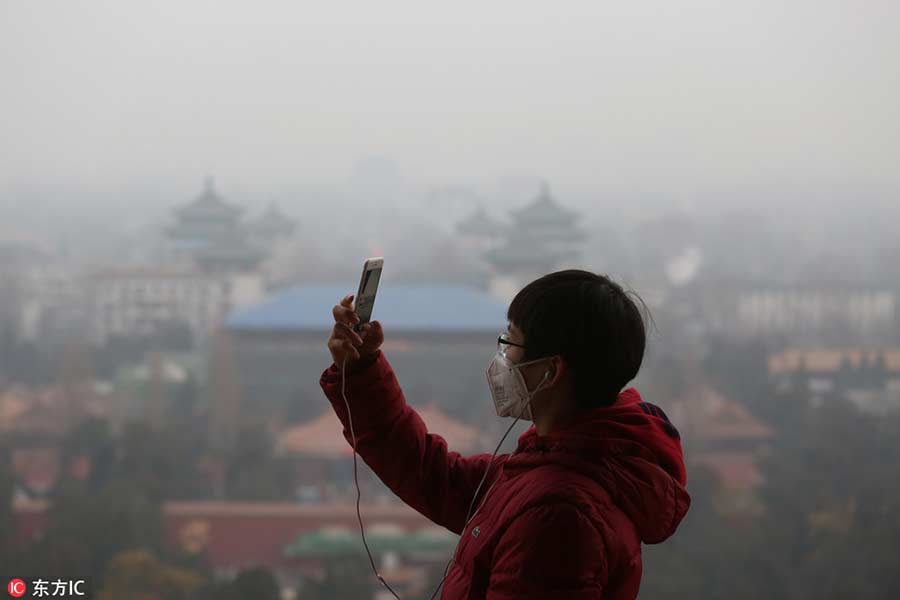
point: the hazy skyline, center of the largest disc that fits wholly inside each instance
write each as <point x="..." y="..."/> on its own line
<point x="652" y="96"/>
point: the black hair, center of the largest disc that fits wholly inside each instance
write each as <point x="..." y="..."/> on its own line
<point x="591" y="322"/>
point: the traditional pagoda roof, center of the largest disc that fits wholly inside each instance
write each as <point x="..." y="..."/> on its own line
<point x="736" y="470"/>
<point x="542" y="235"/>
<point x="480" y="223"/>
<point x="274" y="223"/>
<point x="525" y="250"/>
<point x="728" y="436"/>
<point x="210" y="230"/>
<point x="544" y="212"/>
<point x="224" y="253"/>
<point x="322" y="437"/>
<point x="730" y="420"/>
<point x="459" y="436"/>
<point x="209" y="206"/>
<point x="709" y="415"/>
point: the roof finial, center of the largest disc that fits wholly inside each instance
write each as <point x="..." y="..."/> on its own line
<point x="209" y="185"/>
<point x="545" y="190"/>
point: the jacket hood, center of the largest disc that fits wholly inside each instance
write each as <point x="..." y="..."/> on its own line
<point x="630" y="449"/>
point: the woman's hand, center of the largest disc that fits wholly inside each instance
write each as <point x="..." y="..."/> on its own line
<point x="346" y="343"/>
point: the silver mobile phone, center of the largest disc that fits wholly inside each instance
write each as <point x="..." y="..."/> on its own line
<point x="368" y="286"/>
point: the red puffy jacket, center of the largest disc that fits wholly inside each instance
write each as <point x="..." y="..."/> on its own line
<point x="564" y="515"/>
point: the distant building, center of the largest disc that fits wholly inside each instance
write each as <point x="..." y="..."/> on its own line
<point x="542" y="235"/>
<point x="439" y="339"/>
<point x="232" y="536"/>
<point x="139" y="301"/>
<point x="18" y="258"/>
<point x="54" y="306"/>
<point x="213" y="268"/>
<point x="721" y="434"/>
<point x="481" y="230"/>
<point x="33" y="425"/>
<point x="867" y="377"/>
<point x="865" y="311"/>
<point x="157" y="387"/>
<point x="209" y="234"/>
<point x="318" y="453"/>
<point x="271" y="226"/>
<point x="804" y="315"/>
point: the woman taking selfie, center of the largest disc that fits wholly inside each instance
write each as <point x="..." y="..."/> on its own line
<point x="598" y="473"/>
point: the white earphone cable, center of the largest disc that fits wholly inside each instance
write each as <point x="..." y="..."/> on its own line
<point x="362" y="530"/>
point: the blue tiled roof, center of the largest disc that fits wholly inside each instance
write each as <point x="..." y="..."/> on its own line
<point x="398" y="307"/>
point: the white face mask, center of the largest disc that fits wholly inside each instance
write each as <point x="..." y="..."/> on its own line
<point x="508" y="387"/>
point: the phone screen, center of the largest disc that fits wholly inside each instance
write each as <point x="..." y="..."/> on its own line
<point x="370" y="284"/>
<point x="365" y="300"/>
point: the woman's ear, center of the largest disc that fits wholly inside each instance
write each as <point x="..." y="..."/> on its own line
<point x="555" y="366"/>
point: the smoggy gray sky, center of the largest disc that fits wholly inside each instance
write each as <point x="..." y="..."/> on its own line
<point x="659" y="94"/>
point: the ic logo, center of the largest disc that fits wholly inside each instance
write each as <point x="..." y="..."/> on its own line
<point x="16" y="588"/>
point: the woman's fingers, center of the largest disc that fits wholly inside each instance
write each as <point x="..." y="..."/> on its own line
<point x="341" y="347"/>
<point x="345" y="343"/>
<point x="375" y="331"/>
<point x="344" y="331"/>
<point x="349" y="347"/>
<point x="343" y="312"/>
<point x="354" y="337"/>
<point x="336" y="347"/>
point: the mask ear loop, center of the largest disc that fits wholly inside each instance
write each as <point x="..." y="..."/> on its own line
<point x="533" y="392"/>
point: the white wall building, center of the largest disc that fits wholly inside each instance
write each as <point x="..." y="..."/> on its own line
<point x="805" y="310"/>
<point x="53" y="306"/>
<point x="138" y="301"/>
